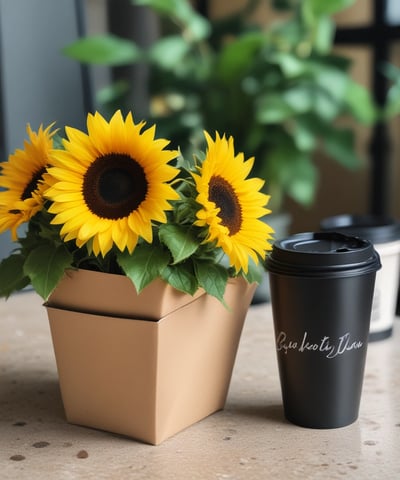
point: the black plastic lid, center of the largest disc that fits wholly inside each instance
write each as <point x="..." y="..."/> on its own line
<point x="375" y="228"/>
<point x="323" y="254"/>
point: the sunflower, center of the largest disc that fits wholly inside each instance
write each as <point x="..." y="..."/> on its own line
<point x="111" y="184"/>
<point x="22" y="179"/>
<point x="231" y="204"/>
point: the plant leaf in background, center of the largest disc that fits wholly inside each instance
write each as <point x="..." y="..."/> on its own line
<point x="323" y="7"/>
<point x="272" y="108"/>
<point x="340" y="144"/>
<point x="392" y="104"/>
<point x="236" y="56"/>
<point x="304" y="136"/>
<point x="360" y="103"/>
<point x="323" y="35"/>
<point x="104" y="50"/>
<point x="168" y="51"/>
<point x="196" y="27"/>
<point x="290" y="65"/>
<point x="295" y="171"/>
<point x="274" y="87"/>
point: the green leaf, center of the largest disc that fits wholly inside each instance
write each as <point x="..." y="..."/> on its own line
<point x="391" y="71"/>
<point x="303" y="185"/>
<point x="328" y="7"/>
<point x="303" y="136"/>
<point x="340" y="144"/>
<point x="144" y="265"/>
<point x="294" y="171"/>
<point x="237" y="55"/>
<point x="169" y="52"/>
<point x="272" y="108"/>
<point x="392" y="104"/>
<point x="326" y="106"/>
<point x="290" y="65"/>
<point x="12" y="276"/>
<point x="360" y="103"/>
<point x="104" y="50"/>
<point x="45" y="266"/>
<point x="299" y="98"/>
<point x="181" y="278"/>
<point x="181" y="241"/>
<point x="330" y="90"/>
<point x="181" y="11"/>
<point x="198" y="26"/>
<point x="323" y="35"/>
<point x="163" y="7"/>
<point x="113" y="92"/>
<point x="212" y="278"/>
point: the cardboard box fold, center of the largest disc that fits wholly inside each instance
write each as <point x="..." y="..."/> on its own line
<point x="148" y="379"/>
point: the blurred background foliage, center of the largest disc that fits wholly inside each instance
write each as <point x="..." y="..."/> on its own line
<point x="278" y="88"/>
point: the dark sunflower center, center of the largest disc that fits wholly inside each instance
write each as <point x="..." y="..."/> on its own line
<point x="224" y="197"/>
<point x="114" y="186"/>
<point x="33" y="184"/>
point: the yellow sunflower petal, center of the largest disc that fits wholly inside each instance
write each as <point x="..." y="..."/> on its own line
<point x="231" y="204"/>
<point x="22" y="177"/>
<point x="120" y="188"/>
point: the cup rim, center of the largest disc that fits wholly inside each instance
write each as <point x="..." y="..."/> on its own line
<point x="322" y="254"/>
<point x="375" y="228"/>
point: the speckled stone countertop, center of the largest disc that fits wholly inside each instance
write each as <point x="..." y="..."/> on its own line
<point x="249" y="439"/>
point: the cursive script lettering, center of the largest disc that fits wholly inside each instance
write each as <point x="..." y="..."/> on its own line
<point x="326" y="345"/>
<point x="281" y="343"/>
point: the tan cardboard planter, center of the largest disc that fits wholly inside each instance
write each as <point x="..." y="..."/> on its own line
<point x="108" y="294"/>
<point x="148" y="379"/>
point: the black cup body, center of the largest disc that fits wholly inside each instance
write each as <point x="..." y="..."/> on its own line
<point x="321" y="293"/>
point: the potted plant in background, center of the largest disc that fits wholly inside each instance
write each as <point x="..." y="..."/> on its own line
<point x="277" y="88"/>
<point x="146" y="261"/>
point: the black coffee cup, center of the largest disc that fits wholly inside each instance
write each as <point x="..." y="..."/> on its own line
<point x="322" y="287"/>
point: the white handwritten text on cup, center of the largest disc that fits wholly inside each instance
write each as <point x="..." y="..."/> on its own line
<point x="329" y="347"/>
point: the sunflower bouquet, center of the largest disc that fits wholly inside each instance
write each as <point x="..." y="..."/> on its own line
<point x="115" y="199"/>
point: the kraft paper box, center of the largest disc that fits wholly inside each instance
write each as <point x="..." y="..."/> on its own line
<point x="142" y="378"/>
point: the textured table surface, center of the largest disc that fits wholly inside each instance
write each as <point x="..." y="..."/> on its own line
<point x="249" y="439"/>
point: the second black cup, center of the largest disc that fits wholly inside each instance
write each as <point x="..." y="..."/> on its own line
<point x="384" y="233"/>
<point x="321" y="293"/>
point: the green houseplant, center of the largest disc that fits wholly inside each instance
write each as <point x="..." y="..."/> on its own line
<point x="278" y="88"/>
